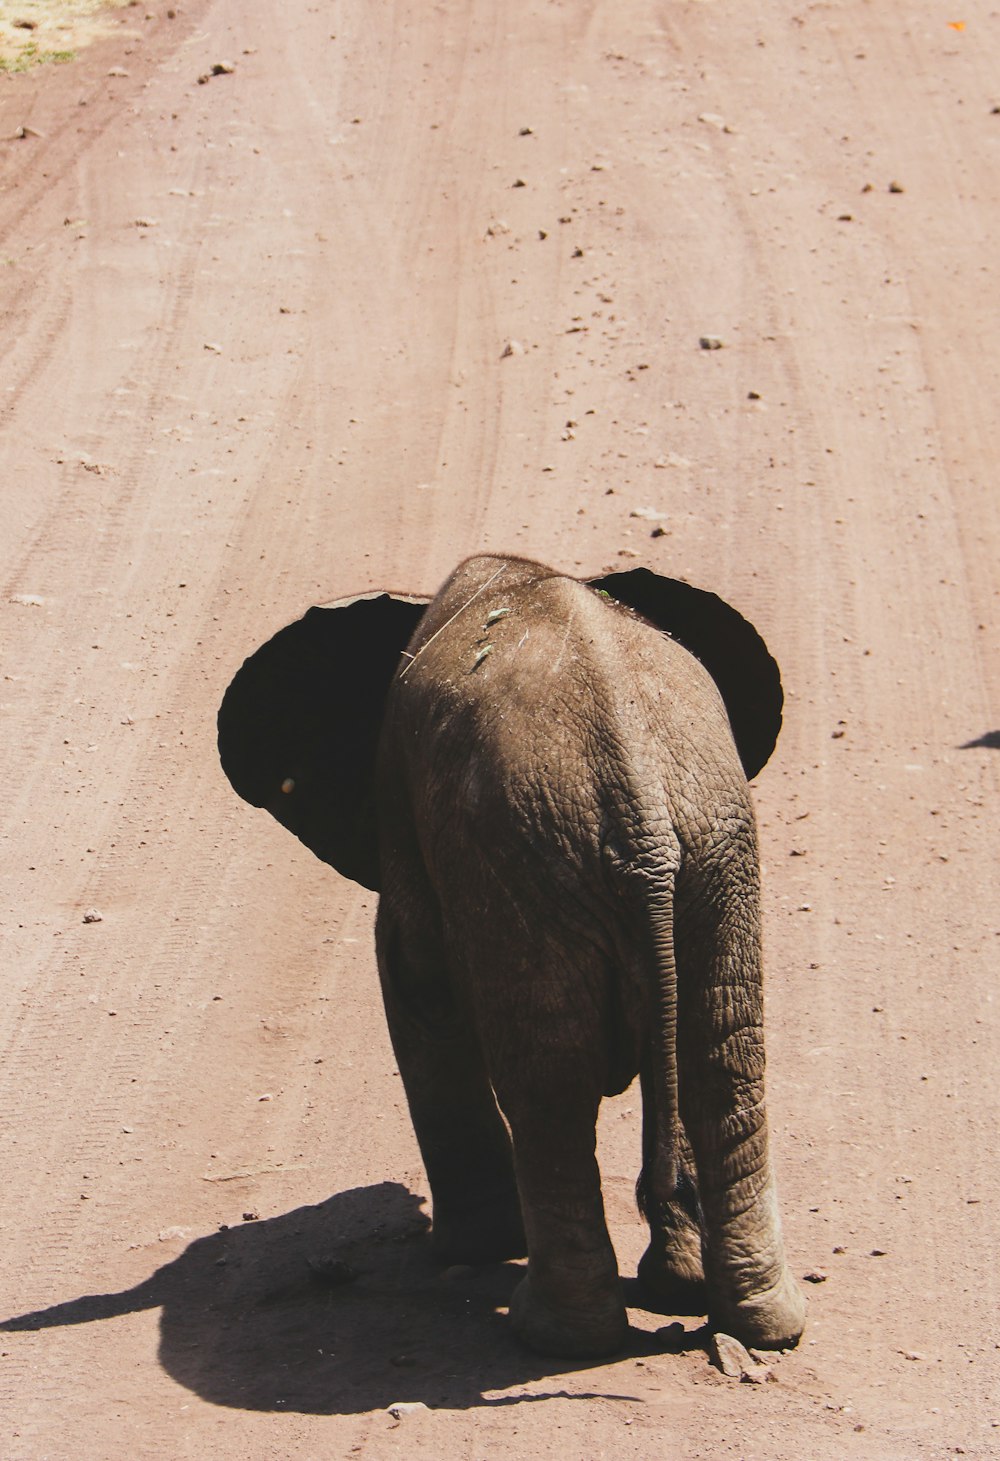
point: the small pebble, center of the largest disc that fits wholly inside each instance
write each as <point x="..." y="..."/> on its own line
<point x="735" y="1360"/>
<point x="332" y="1271"/>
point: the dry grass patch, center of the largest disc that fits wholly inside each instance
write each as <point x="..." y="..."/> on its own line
<point x="36" y="31"/>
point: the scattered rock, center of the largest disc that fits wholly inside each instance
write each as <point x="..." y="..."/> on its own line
<point x="815" y="1275"/>
<point x="649" y="514"/>
<point x="512" y="347"/>
<point x="735" y="1360"/>
<point x="24" y="24"/>
<point x="332" y="1271"/>
<point x="710" y="342"/>
<point x="118" y="72"/>
<point x="27" y="601"/>
<point x="92" y="916"/>
<point x="400" y="1408"/>
<point x="221" y="68"/>
<point x="895" y="187"/>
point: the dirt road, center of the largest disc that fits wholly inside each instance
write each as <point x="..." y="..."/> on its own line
<point x="405" y="282"/>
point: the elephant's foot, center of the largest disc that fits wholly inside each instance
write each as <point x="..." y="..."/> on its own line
<point x="772" y="1320"/>
<point x="487" y="1231"/>
<point x="575" y="1333"/>
<point x="671" y="1277"/>
<point x="671" y="1273"/>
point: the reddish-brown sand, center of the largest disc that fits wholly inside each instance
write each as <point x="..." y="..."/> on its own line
<point x="253" y="341"/>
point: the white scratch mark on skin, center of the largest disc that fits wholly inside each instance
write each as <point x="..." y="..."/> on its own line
<point x="481" y="590"/>
<point x="562" y="647"/>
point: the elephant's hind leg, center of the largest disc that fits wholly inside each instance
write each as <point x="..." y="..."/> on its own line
<point x="570" y="1301"/>
<point x="751" y="1292"/>
<point x="671" y="1274"/>
<point x="462" y="1137"/>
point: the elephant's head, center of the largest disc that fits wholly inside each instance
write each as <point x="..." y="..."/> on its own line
<point x="299" y="724"/>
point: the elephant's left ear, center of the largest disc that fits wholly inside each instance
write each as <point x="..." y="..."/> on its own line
<point x="726" y="644"/>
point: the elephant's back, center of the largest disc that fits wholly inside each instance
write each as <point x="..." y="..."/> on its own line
<point x="532" y="710"/>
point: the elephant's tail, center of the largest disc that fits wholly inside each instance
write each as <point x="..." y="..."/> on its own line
<point x="660" y="1119"/>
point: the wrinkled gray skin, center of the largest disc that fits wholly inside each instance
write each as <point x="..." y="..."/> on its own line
<point x="567" y="859"/>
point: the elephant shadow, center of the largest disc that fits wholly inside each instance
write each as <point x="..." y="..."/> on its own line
<point x="336" y="1309"/>
<point x="989" y="740"/>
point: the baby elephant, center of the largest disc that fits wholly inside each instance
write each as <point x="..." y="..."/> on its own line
<point x="546" y="781"/>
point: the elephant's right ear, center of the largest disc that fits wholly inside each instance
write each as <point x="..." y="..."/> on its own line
<point x="727" y="644"/>
<point x="299" y="724"/>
